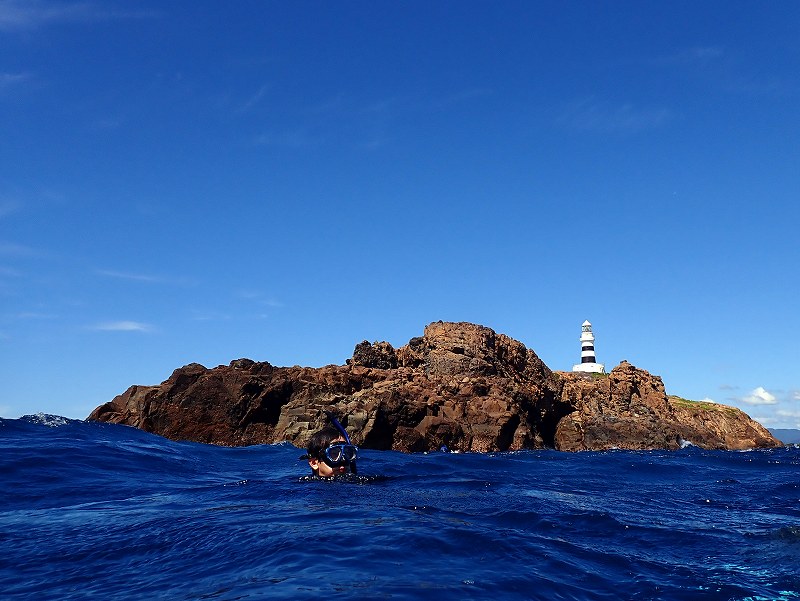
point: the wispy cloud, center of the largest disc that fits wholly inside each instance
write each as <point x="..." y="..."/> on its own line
<point x="252" y="304"/>
<point x="11" y="80"/>
<point x="724" y="69"/>
<point x="136" y="277"/>
<point x="10" y="249"/>
<point x="591" y="115"/>
<point x="691" y="56"/>
<point x="254" y="99"/>
<point x="259" y="298"/>
<point x="704" y="53"/>
<point x="7" y="207"/>
<point x="787" y="418"/>
<point x="770" y="421"/>
<point x="199" y="315"/>
<point x="337" y="103"/>
<point x="366" y="124"/>
<point x="756" y="84"/>
<point x="107" y="123"/>
<point x="25" y="15"/>
<point x="35" y="315"/>
<point x="298" y="138"/>
<point x="8" y="272"/>
<point x="144" y="278"/>
<point x="759" y="396"/>
<point x="124" y="326"/>
<point x="463" y="96"/>
<point x="20" y="15"/>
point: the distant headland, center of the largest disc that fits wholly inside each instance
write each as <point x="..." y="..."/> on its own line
<point x="459" y="385"/>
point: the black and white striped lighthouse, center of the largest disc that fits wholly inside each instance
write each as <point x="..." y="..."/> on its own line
<point x="588" y="360"/>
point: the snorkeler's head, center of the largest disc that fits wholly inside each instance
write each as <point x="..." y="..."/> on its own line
<point x="320" y="441"/>
<point x="330" y="453"/>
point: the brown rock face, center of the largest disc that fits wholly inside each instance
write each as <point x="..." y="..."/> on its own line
<point x="459" y="385"/>
<point x="629" y="409"/>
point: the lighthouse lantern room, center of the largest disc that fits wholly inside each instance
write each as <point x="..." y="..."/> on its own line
<point x="588" y="361"/>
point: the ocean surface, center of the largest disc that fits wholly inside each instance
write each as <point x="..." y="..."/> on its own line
<point x="98" y="511"/>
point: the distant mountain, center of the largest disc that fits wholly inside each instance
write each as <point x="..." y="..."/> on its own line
<point x="786" y="435"/>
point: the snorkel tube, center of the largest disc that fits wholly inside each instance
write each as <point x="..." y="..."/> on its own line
<point x="336" y="424"/>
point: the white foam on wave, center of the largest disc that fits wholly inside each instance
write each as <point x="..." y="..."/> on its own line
<point x="46" y="419"/>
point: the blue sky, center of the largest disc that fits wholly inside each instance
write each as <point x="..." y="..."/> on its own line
<point x="203" y="181"/>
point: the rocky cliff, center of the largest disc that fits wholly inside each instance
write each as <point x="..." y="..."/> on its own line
<point x="460" y="385"/>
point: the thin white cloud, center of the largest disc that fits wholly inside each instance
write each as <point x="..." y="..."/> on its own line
<point x="759" y="396"/>
<point x="796" y="395"/>
<point x="9" y="80"/>
<point x="29" y="14"/>
<point x="788" y="419"/>
<point x="756" y="84"/>
<point x="7" y="207"/>
<point x="288" y="139"/>
<point x="697" y="55"/>
<point x="124" y="326"/>
<point x="728" y="387"/>
<point x="722" y="68"/>
<point x="376" y="142"/>
<point x="35" y="315"/>
<point x="707" y="400"/>
<point x="463" y="96"/>
<point x="21" y="15"/>
<point x="144" y="278"/>
<point x="254" y="99"/>
<point x="333" y="104"/>
<point x="591" y="115"/>
<point x="197" y="315"/>
<point x="107" y="123"/>
<point x="137" y="277"/>
<point x="8" y="272"/>
<point x="704" y="53"/>
<point x="259" y="298"/>
<point x="768" y="421"/>
<point x="10" y="249"/>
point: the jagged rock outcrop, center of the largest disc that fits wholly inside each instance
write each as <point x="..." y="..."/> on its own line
<point x="460" y="385"/>
<point x="629" y="409"/>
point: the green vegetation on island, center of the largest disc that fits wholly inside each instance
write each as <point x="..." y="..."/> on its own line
<point x="707" y="405"/>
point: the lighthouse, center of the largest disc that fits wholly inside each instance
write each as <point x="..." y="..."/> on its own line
<point x="588" y="361"/>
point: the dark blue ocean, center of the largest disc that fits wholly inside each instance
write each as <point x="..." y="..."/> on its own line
<point x="97" y="511"/>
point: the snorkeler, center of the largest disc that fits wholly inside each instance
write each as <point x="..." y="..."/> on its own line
<point x="330" y="452"/>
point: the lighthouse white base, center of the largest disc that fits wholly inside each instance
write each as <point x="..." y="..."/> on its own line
<point x="594" y="368"/>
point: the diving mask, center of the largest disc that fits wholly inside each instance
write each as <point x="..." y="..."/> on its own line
<point x="339" y="454"/>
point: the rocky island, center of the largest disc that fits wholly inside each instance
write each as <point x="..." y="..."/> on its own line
<point x="459" y="385"/>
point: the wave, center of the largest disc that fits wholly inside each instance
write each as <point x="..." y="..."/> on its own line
<point x="99" y="510"/>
